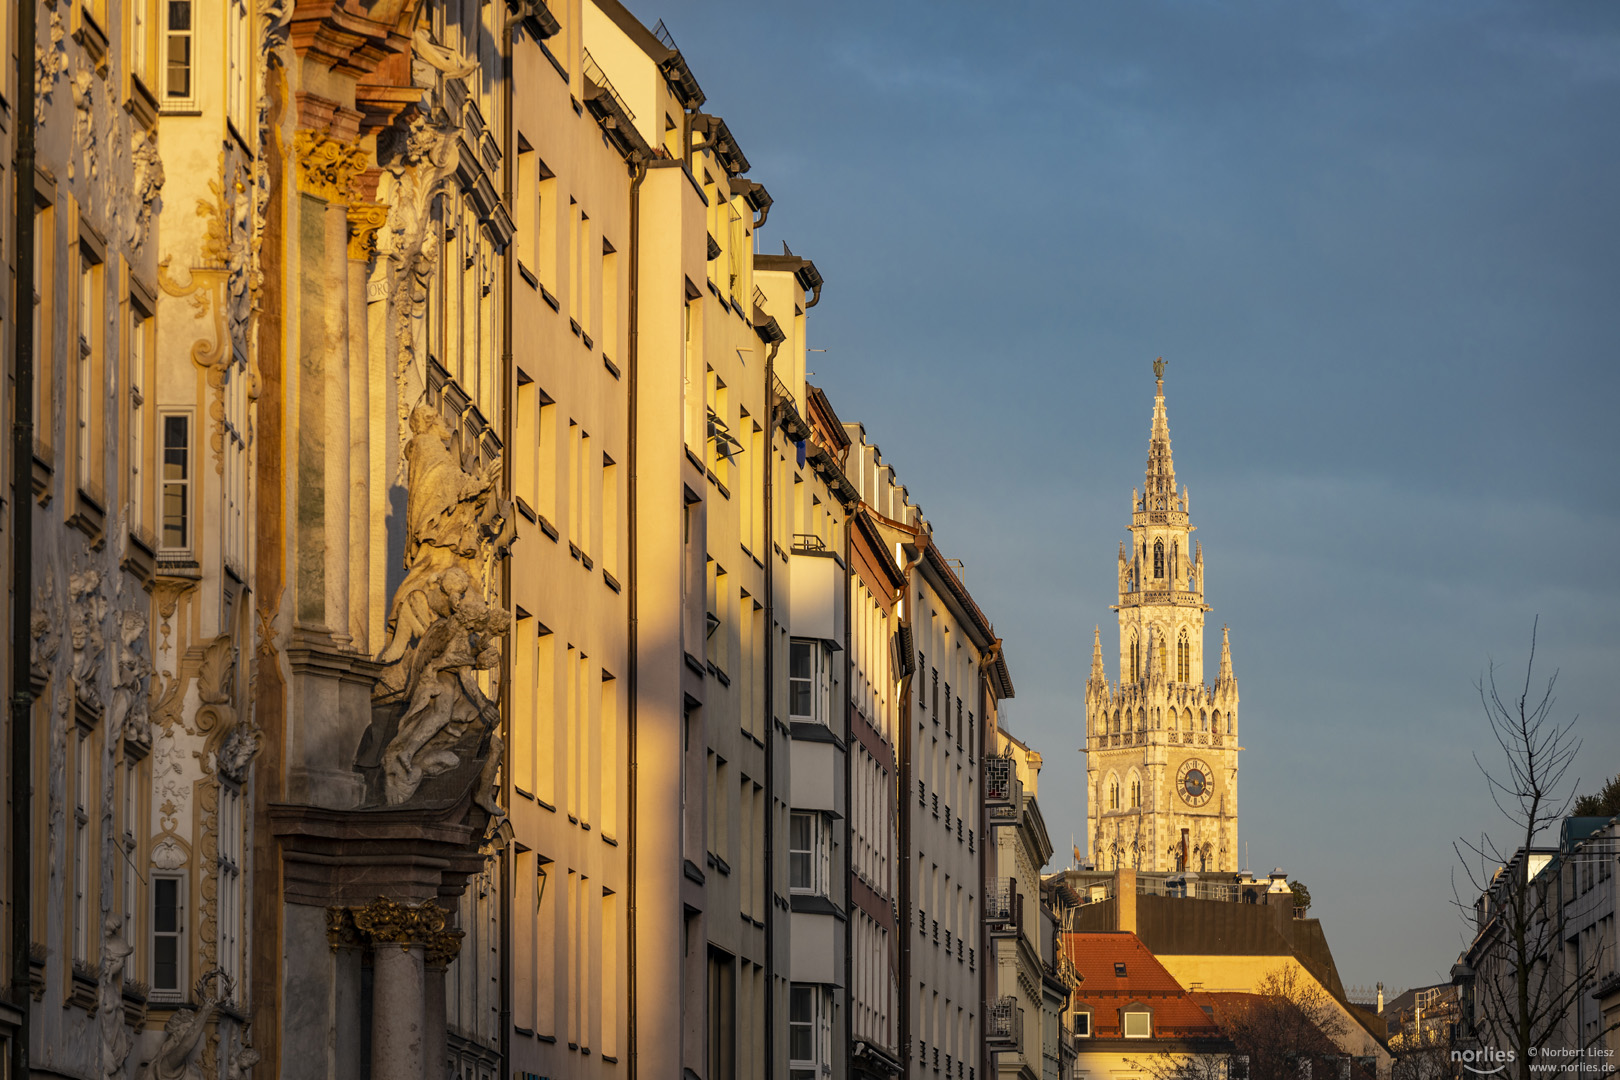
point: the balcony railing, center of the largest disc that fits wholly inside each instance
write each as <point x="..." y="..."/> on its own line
<point x="1004" y="1026"/>
<point x="1001" y="910"/>
<point x="1003" y="791"/>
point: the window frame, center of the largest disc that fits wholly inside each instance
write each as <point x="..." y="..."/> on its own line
<point x="1127" y="1015"/>
<point x="817" y="682"/>
<point x="816" y="856"/>
<point x="155" y="935"/>
<point x="169" y="102"/>
<point x="186" y="482"/>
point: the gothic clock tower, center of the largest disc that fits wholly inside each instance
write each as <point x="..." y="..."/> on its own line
<point x="1161" y="744"/>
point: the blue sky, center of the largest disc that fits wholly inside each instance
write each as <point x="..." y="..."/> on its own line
<point x="1379" y="245"/>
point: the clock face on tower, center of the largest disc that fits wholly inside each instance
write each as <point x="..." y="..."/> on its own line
<point x="1195" y="781"/>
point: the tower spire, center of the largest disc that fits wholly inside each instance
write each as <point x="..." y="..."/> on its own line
<point x="1160" y="493"/>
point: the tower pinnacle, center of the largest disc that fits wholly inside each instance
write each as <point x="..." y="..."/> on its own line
<point x="1226" y="656"/>
<point x="1097" y="673"/>
<point x="1160" y="493"/>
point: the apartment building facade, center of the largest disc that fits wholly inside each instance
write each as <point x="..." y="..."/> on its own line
<point x="953" y="676"/>
<point x="1017" y="924"/>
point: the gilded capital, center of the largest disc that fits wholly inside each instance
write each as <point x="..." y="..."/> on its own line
<point x="388" y="922"/>
<point x="364" y="221"/>
<point x="327" y="166"/>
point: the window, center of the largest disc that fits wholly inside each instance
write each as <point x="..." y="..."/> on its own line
<point x="1113" y="795"/>
<point x="230" y="881"/>
<point x="1082" y="1025"/>
<point x="87" y="377"/>
<point x="1183" y="659"/>
<point x="808" y="861"/>
<point x="809" y="1031"/>
<point x="809" y="681"/>
<point x="1136" y="793"/>
<point x="1136" y="660"/>
<point x="1138" y="1024"/>
<point x="140" y="325"/>
<point x="176" y="481"/>
<point x="179" y="88"/>
<point x="239" y="80"/>
<point x="81" y="844"/>
<point x="1158" y="558"/>
<point x="168" y="928"/>
<point x="130" y="811"/>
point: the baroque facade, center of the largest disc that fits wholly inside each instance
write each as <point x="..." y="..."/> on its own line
<point x="1161" y="743"/>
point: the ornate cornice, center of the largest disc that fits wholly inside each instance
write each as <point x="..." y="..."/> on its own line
<point x="364" y="221"/>
<point x="327" y="166"/>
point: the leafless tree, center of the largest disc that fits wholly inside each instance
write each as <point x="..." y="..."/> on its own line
<point x="1524" y="987"/>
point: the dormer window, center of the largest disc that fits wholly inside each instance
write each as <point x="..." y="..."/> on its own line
<point x="1082" y="1025"/>
<point x="1137" y="1024"/>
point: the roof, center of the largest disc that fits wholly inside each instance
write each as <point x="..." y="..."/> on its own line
<point x="1116" y="971"/>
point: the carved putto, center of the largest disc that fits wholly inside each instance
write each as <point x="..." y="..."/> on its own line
<point x="442" y="634"/>
<point x="185" y="1030"/>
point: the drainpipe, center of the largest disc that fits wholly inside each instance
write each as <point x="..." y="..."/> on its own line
<point x="904" y="827"/>
<point x="22" y="552"/>
<point x="849" y="775"/>
<point x="772" y="419"/>
<point x="631" y="576"/>
<point x="508" y="380"/>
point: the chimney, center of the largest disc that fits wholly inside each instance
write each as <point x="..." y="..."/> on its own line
<point x="1380" y="999"/>
<point x="1125" y="899"/>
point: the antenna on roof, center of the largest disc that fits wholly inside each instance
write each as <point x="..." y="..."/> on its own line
<point x="1245" y="856"/>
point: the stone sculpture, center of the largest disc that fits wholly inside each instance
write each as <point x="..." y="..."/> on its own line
<point x="185" y="1030"/>
<point x="442" y="633"/>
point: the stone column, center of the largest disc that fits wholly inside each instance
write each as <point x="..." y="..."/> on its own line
<point x="364" y="221"/>
<point x="397" y="1003"/>
<point x="436" y="1040"/>
<point x="410" y="950"/>
<point x="340" y="355"/>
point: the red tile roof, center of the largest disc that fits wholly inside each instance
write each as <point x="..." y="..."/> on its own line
<point x="1145" y="982"/>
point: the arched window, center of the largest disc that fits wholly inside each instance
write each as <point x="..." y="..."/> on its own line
<point x="1158" y="558"/>
<point x="1113" y="795"/>
<point x="1164" y="656"/>
<point x="1116" y="721"/>
<point x="1136" y="793"/>
<point x="1203" y="719"/>
<point x="1136" y="659"/>
<point x="1217" y="719"/>
<point x="1228" y="723"/>
<point x="1203" y="861"/>
<point x="1141" y="719"/>
<point x="1186" y="720"/>
<point x="1183" y="658"/>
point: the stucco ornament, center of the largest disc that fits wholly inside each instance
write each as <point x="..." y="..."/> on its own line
<point x="232" y="738"/>
<point x="87" y="608"/>
<point x="442" y="633"/>
<point x="115" y="1040"/>
<point x="186" y="1029"/>
<point x="419" y="158"/>
<point x="129" y="714"/>
<point x="50" y="60"/>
